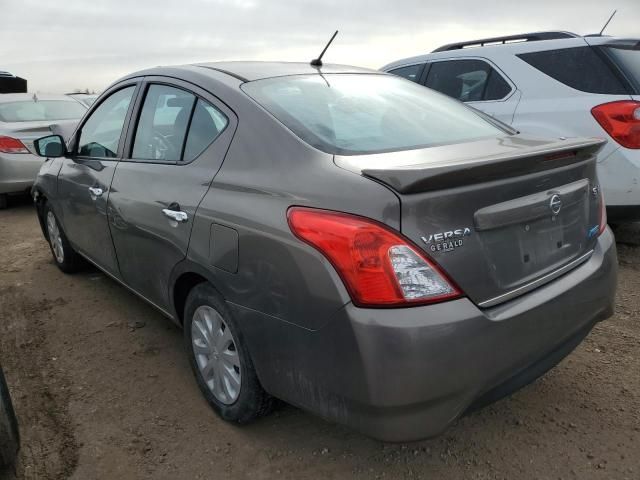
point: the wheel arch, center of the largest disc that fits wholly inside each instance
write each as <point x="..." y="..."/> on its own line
<point x="40" y="199"/>
<point x="185" y="276"/>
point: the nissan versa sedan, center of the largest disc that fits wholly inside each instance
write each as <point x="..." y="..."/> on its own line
<point x="338" y="238"/>
<point x="23" y="118"/>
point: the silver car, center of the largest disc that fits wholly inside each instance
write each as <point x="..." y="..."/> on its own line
<point x="23" y="118"/>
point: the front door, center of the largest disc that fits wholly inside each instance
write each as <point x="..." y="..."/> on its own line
<point x="85" y="179"/>
<point x="180" y="140"/>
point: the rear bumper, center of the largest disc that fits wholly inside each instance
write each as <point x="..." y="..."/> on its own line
<point x="18" y="171"/>
<point x="619" y="175"/>
<point x="406" y="374"/>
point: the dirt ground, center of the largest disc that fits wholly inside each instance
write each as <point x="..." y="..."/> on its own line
<point x="103" y="390"/>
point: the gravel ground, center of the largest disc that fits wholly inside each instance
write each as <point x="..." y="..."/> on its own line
<point x="103" y="390"/>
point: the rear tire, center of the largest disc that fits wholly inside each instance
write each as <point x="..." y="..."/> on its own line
<point x="4" y="201"/>
<point x="65" y="257"/>
<point x="220" y="360"/>
<point x="9" y="435"/>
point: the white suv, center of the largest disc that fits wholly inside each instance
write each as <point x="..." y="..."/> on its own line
<point x="551" y="83"/>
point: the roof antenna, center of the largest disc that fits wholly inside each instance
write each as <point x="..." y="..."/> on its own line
<point x="607" y="24"/>
<point x="317" y="62"/>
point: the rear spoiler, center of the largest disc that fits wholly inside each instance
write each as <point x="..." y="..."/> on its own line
<point x="506" y="159"/>
<point x="622" y="43"/>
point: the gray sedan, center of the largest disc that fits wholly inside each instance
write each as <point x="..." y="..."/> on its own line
<point x="23" y="118"/>
<point x="339" y="238"/>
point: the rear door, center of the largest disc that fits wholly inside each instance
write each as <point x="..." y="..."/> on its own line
<point x="178" y="141"/>
<point x="85" y="178"/>
<point x="477" y="82"/>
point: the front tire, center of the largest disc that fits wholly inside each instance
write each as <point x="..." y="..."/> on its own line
<point x="220" y="359"/>
<point x="66" y="258"/>
<point x="4" y="201"/>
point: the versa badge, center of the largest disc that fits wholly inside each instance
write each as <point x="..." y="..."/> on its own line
<point x="447" y="241"/>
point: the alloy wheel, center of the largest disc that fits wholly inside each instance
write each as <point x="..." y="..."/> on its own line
<point x="55" y="237"/>
<point x="216" y="355"/>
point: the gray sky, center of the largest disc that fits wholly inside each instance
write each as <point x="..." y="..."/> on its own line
<point x="67" y="44"/>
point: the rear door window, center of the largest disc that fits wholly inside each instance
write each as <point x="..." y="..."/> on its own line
<point x="175" y="125"/>
<point x="163" y="123"/>
<point x="468" y="80"/>
<point x="412" y="72"/>
<point x="581" y="68"/>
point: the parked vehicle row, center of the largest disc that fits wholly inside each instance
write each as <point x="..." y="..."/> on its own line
<point x="551" y="83"/>
<point x="339" y="238"/>
<point x="23" y="118"/>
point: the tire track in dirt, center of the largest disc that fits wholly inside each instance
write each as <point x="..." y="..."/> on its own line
<point x="39" y="389"/>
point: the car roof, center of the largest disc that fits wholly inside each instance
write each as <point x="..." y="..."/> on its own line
<point x="21" y="97"/>
<point x="249" y="71"/>
<point x="475" y="48"/>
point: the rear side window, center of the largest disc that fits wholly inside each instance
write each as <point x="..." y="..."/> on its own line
<point x="467" y="80"/>
<point x="581" y="68"/>
<point x="175" y="125"/>
<point x="412" y="72"/>
<point x="163" y="124"/>
<point x="207" y="123"/>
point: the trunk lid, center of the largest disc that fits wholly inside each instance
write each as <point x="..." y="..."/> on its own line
<point x="501" y="216"/>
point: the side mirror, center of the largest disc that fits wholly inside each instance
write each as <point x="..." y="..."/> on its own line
<point x="51" y="146"/>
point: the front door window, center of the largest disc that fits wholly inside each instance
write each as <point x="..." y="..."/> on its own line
<point x="101" y="133"/>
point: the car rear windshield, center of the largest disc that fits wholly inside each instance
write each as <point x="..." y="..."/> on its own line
<point x="628" y="59"/>
<point x="347" y="114"/>
<point x="41" y="110"/>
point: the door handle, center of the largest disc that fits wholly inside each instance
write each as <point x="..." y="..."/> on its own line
<point x="95" y="192"/>
<point x="175" y="215"/>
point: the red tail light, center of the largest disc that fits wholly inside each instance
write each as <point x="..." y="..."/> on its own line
<point x="621" y="120"/>
<point x="12" y="145"/>
<point x="379" y="267"/>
